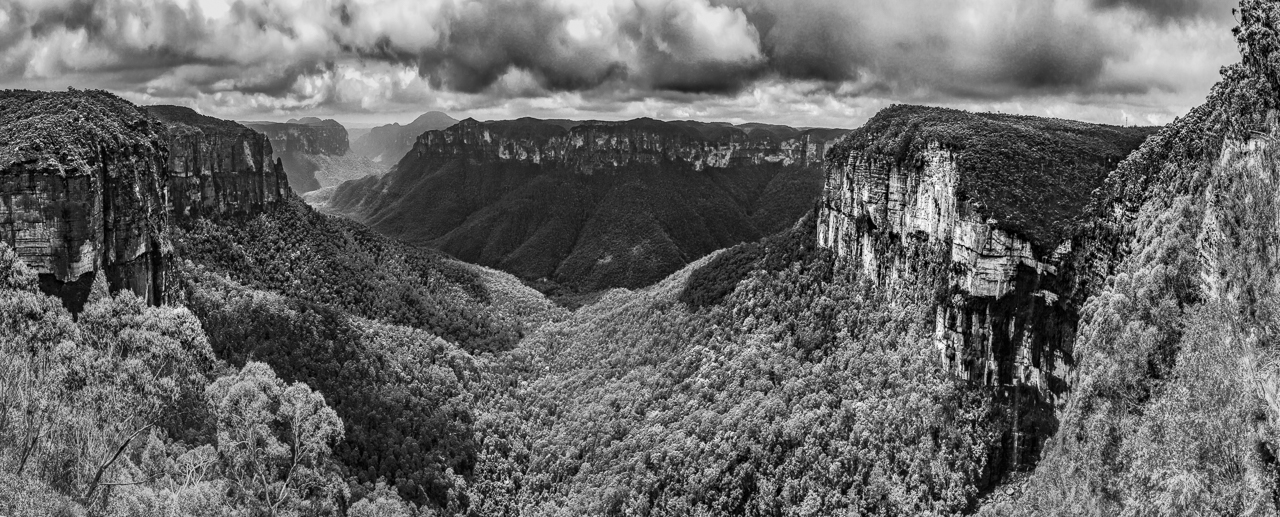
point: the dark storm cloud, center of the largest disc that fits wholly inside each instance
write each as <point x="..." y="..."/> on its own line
<point x="990" y="49"/>
<point x="976" y="50"/>
<point x="1172" y="10"/>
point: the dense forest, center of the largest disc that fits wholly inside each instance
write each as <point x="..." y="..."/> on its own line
<point x="628" y="204"/>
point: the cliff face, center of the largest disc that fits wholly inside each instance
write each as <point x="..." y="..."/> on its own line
<point x="308" y="136"/>
<point x="593" y="146"/>
<point x="83" y="180"/>
<point x="295" y="143"/>
<point x="998" y="201"/>
<point x="591" y="205"/>
<point x="315" y="153"/>
<point x="89" y="184"/>
<point x="218" y="167"/>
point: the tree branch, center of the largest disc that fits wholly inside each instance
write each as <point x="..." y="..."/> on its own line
<point x="97" y="477"/>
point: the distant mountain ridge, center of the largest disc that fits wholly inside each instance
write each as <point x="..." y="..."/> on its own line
<point x="316" y="153"/>
<point x="591" y="204"/>
<point x="388" y="144"/>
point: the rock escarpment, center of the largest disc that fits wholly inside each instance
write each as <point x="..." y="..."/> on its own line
<point x="315" y="153"/>
<point x="83" y="183"/>
<point x="218" y="167"/>
<point x="89" y="184"/>
<point x="588" y="147"/>
<point x="307" y="136"/>
<point x="1000" y="202"/>
<point x="592" y="205"/>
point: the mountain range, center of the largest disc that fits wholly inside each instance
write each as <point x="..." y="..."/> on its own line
<point x="389" y="143"/>
<point x="937" y="313"/>
<point x="590" y="205"/>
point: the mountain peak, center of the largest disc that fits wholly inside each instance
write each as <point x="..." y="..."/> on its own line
<point x="434" y="118"/>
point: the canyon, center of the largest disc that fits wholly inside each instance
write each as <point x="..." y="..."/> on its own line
<point x="315" y="153"/>
<point x="591" y="205"/>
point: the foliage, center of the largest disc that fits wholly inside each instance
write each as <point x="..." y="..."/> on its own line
<point x="804" y="392"/>
<point x="274" y="439"/>
<point x="1175" y="409"/>
<point x="718" y="278"/>
<point x="402" y="392"/>
<point x="594" y="220"/>
<point x="109" y="415"/>
<point x="1033" y="175"/>
<point x="302" y="254"/>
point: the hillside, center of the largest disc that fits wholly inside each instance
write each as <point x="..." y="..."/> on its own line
<point x="1175" y="408"/>
<point x="590" y="205"/>
<point x="387" y="145"/>
<point x="217" y="346"/>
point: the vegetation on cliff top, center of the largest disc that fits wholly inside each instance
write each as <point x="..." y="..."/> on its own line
<point x="1034" y="176"/>
<point x="57" y="129"/>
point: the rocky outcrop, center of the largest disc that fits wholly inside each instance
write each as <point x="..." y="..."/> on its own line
<point x="388" y="144"/>
<point x="916" y="185"/>
<point x="308" y="136"/>
<point x="1001" y="204"/>
<point x="218" y="167"/>
<point x="315" y="153"/>
<point x="591" y="146"/>
<point x="89" y="184"/>
<point x="83" y="179"/>
<point x="296" y="142"/>
<point x="591" y="205"/>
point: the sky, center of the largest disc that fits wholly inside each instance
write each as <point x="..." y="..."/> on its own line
<point x="805" y="63"/>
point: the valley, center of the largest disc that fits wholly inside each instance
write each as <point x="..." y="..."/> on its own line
<point x="587" y="206"/>
<point x="940" y="312"/>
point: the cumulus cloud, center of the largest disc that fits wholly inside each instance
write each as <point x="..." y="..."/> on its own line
<point x="238" y="56"/>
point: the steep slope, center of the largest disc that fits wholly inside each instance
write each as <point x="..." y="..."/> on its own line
<point x="589" y="205"/>
<point x="806" y="374"/>
<point x="387" y="145"/>
<point x="804" y="391"/>
<point x="83" y="179"/>
<point x="1175" y="408"/>
<point x="218" y="167"/>
<point x="304" y="255"/>
<point x="316" y="153"/>
<point x="261" y="299"/>
<point x="995" y="199"/>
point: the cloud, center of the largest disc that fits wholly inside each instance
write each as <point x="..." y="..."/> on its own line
<point x="1171" y="10"/>
<point x="379" y="55"/>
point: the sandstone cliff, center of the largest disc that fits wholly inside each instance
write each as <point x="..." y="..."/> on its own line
<point x="83" y="179"/>
<point x="1002" y="203"/>
<point x="997" y="198"/>
<point x="218" y="167"/>
<point x="315" y="153"/>
<point x="90" y="183"/>
<point x="591" y="205"/>
<point x="592" y="146"/>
